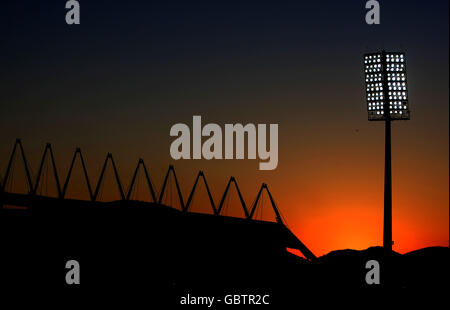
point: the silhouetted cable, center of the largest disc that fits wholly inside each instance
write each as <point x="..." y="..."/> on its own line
<point x="191" y="195"/>
<point x="180" y="197"/>
<point x="25" y="163"/>
<point x="48" y="149"/>
<point x="119" y="185"/>
<point x="149" y="182"/>
<point x="244" y="207"/>
<point x="69" y="173"/>
<point x="274" y="207"/>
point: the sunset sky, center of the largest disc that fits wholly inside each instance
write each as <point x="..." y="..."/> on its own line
<point x="118" y="82"/>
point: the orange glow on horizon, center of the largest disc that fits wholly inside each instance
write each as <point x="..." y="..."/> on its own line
<point x="329" y="188"/>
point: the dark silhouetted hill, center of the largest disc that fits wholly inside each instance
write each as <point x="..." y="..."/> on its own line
<point x="139" y="246"/>
<point x="426" y="267"/>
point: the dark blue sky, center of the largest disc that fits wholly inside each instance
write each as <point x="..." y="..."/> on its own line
<point x="169" y="60"/>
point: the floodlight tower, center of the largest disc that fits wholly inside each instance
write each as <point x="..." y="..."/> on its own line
<point x="387" y="100"/>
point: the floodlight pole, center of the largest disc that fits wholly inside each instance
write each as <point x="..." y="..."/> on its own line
<point x="387" y="227"/>
<point x="387" y="233"/>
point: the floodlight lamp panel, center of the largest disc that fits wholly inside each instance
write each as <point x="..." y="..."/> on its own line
<point x="386" y="86"/>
